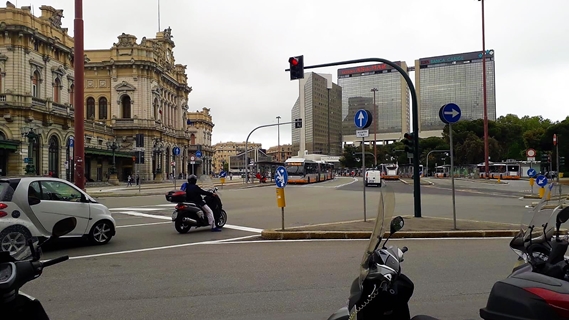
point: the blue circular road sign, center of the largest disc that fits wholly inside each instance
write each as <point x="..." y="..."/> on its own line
<point x="363" y="119"/>
<point x="176" y="151"/>
<point x="541" y="181"/>
<point x="281" y="177"/>
<point x="532" y="173"/>
<point x="450" y="113"/>
<point x="223" y="174"/>
<point x="198" y="154"/>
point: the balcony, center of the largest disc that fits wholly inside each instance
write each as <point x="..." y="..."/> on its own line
<point x="37" y="102"/>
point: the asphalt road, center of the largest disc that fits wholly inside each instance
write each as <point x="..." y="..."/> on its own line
<point x="264" y="280"/>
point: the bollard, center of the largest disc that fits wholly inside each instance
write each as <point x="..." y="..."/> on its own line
<point x="541" y="192"/>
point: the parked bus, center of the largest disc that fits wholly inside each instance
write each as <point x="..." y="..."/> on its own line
<point x="301" y="170"/>
<point x="442" y="171"/>
<point x="389" y="171"/>
<point x="505" y="171"/>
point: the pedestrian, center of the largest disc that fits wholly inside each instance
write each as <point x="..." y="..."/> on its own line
<point x="129" y="181"/>
<point x="137" y="179"/>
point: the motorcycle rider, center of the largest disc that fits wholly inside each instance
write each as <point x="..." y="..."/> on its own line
<point x="194" y="194"/>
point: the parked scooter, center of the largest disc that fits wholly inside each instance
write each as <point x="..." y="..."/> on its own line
<point x="187" y="215"/>
<point x="535" y="290"/>
<point x="14" y="274"/>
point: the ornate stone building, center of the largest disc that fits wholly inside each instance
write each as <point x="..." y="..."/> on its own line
<point x="224" y="150"/>
<point x="200" y="126"/>
<point x="36" y="90"/>
<point x="285" y="152"/>
<point x="138" y="89"/>
<point x="131" y="89"/>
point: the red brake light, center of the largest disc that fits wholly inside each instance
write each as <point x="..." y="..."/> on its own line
<point x="2" y="207"/>
<point x="558" y="301"/>
<point x="180" y="206"/>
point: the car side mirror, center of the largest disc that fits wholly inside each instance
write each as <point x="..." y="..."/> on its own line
<point x="397" y="224"/>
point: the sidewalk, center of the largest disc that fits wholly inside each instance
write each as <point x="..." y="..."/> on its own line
<point x="425" y="227"/>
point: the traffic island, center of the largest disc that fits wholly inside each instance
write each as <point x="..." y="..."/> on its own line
<point x="425" y="227"/>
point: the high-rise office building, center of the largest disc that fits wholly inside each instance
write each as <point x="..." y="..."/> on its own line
<point x="322" y="120"/>
<point x="455" y="78"/>
<point x="391" y="119"/>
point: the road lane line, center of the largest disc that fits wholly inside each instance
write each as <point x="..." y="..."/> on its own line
<point x="158" y="248"/>
<point x="228" y="226"/>
<point x="347" y="240"/>
<point x="141" y="224"/>
<point x="345" y="184"/>
<point x="135" y="208"/>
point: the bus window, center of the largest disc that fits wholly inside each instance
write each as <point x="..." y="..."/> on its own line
<point x="514" y="168"/>
<point x="295" y="169"/>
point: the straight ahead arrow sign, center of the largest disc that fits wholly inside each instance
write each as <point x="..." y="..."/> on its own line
<point x="453" y="112"/>
<point x="361" y="118"/>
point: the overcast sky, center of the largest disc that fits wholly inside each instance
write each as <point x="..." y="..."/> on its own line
<point x="236" y="51"/>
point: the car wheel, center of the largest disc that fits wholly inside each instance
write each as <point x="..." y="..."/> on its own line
<point x="101" y="232"/>
<point x="182" y="227"/>
<point x="222" y="219"/>
<point x="14" y="239"/>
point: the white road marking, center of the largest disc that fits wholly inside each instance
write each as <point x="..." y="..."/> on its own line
<point x="340" y="240"/>
<point x="158" y="248"/>
<point x="141" y="224"/>
<point x="228" y="226"/>
<point x="345" y="184"/>
<point x="132" y="209"/>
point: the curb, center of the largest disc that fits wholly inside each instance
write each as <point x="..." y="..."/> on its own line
<point x="270" y="234"/>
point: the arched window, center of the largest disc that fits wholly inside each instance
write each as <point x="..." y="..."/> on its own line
<point x="2" y="136"/>
<point x="90" y="114"/>
<point x="125" y="107"/>
<point x="53" y="160"/>
<point x="103" y="108"/>
<point x="36" y="84"/>
<point x="57" y="90"/>
<point x="192" y="139"/>
<point x="71" y="95"/>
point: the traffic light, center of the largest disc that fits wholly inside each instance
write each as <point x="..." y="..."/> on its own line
<point x="408" y="142"/>
<point x="298" y="123"/>
<point x="138" y="157"/>
<point x="296" y="65"/>
<point x="544" y="157"/>
<point x="561" y="161"/>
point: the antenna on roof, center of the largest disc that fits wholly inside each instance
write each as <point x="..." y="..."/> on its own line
<point x="158" y="15"/>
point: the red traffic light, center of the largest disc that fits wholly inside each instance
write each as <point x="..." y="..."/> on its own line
<point x="293" y="61"/>
<point x="408" y="136"/>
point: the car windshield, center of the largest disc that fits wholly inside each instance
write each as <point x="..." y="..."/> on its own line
<point x="385" y="209"/>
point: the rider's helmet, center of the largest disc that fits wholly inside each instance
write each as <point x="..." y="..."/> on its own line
<point x="192" y="179"/>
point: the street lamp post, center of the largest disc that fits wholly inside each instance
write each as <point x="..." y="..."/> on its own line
<point x="79" y="110"/>
<point x="33" y="136"/>
<point x="113" y="146"/>
<point x="374" y="90"/>
<point x="279" y="138"/>
<point x="157" y="149"/>
<point x="486" y="149"/>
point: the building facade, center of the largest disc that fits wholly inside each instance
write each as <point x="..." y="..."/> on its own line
<point x="224" y="150"/>
<point x="322" y="119"/>
<point x="132" y="89"/>
<point x="280" y="153"/>
<point x="392" y="101"/>
<point x="36" y="92"/>
<point x="454" y="78"/>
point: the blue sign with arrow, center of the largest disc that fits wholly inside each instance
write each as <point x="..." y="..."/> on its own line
<point x="223" y="174"/>
<point x="532" y="173"/>
<point x="541" y="181"/>
<point x="362" y="119"/>
<point x="450" y="113"/>
<point x="281" y="177"/>
<point x="176" y="151"/>
<point x="198" y="154"/>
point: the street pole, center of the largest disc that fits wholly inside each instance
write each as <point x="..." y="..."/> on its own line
<point x="486" y="149"/>
<point x="374" y="125"/>
<point x="427" y="165"/>
<point x="328" y="121"/>
<point x="79" y="110"/>
<point x="278" y="139"/>
<point x="363" y="176"/>
<point x="452" y="176"/>
<point x="558" y="166"/>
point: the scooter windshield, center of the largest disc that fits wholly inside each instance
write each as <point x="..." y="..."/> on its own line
<point x="533" y="223"/>
<point x="385" y="210"/>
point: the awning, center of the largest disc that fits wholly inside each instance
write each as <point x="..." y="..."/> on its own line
<point x="9" y="144"/>
<point x="103" y="152"/>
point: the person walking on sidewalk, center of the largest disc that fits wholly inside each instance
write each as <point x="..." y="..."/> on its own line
<point x="129" y="181"/>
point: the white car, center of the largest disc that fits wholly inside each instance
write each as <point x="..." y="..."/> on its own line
<point x="373" y="177"/>
<point x="30" y="206"/>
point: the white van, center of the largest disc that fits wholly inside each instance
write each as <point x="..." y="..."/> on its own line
<point x="373" y="177"/>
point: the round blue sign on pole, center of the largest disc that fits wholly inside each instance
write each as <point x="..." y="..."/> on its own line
<point x="541" y="181"/>
<point x="223" y="174"/>
<point x="176" y="151"/>
<point x="532" y="173"/>
<point x="281" y="177"/>
<point x="198" y="154"/>
<point x="450" y="113"/>
<point x="362" y="119"/>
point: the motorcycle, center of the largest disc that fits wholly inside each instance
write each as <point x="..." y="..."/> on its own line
<point x="14" y="274"/>
<point x="187" y="214"/>
<point x="536" y="289"/>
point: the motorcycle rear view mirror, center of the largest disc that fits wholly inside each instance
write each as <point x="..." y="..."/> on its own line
<point x="397" y="224"/>
<point x="561" y="218"/>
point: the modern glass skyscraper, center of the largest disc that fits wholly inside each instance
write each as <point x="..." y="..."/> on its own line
<point x="391" y="119"/>
<point x="318" y="114"/>
<point x="454" y="78"/>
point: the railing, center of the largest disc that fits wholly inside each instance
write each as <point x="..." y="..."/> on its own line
<point x="38" y="102"/>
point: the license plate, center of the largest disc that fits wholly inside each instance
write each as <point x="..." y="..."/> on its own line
<point x="174" y="215"/>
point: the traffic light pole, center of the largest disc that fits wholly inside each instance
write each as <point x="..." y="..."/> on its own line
<point x="247" y="142"/>
<point x="415" y="118"/>
<point x="558" y="166"/>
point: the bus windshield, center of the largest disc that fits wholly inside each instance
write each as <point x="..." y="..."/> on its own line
<point x="295" y="169"/>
